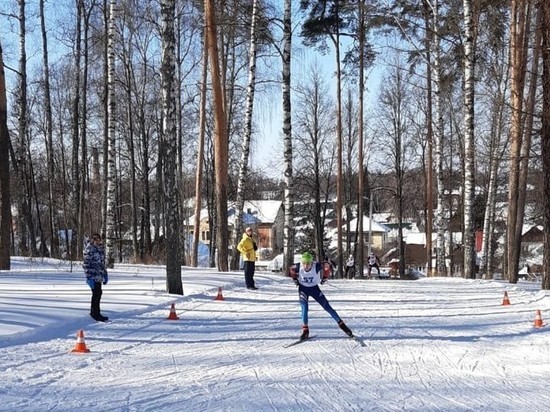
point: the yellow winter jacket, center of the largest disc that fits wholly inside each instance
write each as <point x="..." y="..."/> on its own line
<point x="246" y="247"/>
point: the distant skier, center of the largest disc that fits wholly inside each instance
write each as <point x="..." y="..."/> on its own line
<point x="374" y="262"/>
<point x="350" y="267"/>
<point x="307" y="275"/>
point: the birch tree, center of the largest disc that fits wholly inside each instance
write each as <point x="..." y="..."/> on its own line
<point x="469" y="158"/>
<point x="428" y="39"/>
<point x="247" y="133"/>
<point x="111" y="142"/>
<point x="288" y="238"/>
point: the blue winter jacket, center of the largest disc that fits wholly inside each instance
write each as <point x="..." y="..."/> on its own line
<point x="94" y="262"/>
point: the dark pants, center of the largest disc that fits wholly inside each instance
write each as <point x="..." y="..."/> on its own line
<point x="96" y="299"/>
<point x="249" y="267"/>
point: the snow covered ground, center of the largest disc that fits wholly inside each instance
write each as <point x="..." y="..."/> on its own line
<point x="437" y="344"/>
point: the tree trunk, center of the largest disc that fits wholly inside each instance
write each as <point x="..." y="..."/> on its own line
<point x="221" y="139"/>
<point x="429" y="190"/>
<point x="110" y="235"/>
<point x="288" y="238"/>
<point x="438" y="136"/>
<point x="5" y="198"/>
<point x="75" y="248"/>
<point x="490" y="205"/>
<point x="23" y="149"/>
<point x="172" y="239"/>
<point x="200" y="153"/>
<point x="128" y="70"/>
<point x="83" y="201"/>
<point x="469" y="147"/>
<point x="245" y="145"/>
<point x="360" y="245"/>
<point x="528" y="118"/>
<point x="545" y="140"/>
<point x="518" y="67"/>
<point x="497" y="149"/>
<point x="54" y="239"/>
<point x="339" y="144"/>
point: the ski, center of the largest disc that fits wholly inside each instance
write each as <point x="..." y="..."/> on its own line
<point x="296" y="342"/>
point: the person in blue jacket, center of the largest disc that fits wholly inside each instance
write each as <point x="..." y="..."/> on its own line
<point x="96" y="274"/>
<point x="308" y="275"/>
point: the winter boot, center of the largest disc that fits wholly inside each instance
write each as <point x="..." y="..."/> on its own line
<point x="346" y="330"/>
<point x="305" y="332"/>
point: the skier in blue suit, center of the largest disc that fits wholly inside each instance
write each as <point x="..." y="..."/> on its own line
<point x="307" y="275"/>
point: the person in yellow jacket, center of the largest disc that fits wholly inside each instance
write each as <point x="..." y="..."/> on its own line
<point x="247" y="246"/>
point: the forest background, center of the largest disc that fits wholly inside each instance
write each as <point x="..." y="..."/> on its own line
<point x="111" y="122"/>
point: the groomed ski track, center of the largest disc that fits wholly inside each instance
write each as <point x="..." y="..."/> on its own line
<point x="430" y="345"/>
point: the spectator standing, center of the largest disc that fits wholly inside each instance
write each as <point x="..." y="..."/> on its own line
<point x="96" y="274"/>
<point x="248" y="247"/>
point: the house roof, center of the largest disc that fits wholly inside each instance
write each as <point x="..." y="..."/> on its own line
<point x="254" y="212"/>
<point x="265" y="211"/>
<point x="375" y="228"/>
<point x="416" y="239"/>
<point x="419" y="238"/>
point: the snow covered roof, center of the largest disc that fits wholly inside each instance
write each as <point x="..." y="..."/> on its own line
<point x="382" y="217"/>
<point x="419" y="238"/>
<point x="375" y="228"/>
<point x="265" y="211"/>
<point x="527" y="227"/>
<point x="254" y="212"/>
<point x="416" y="239"/>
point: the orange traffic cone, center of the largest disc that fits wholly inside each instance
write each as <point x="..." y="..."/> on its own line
<point x="505" y="301"/>
<point x="80" y="346"/>
<point x="220" y="296"/>
<point x="538" y="320"/>
<point x="172" y="315"/>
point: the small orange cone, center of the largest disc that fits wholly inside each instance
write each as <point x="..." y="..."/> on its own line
<point x="538" y="320"/>
<point x="80" y="346"/>
<point x="172" y="315"/>
<point x="505" y="301"/>
<point x="220" y="296"/>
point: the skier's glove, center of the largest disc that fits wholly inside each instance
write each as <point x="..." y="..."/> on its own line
<point x="90" y="282"/>
<point x="296" y="282"/>
<point x="323" y="281"/>
<point x="105" y="278"/>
